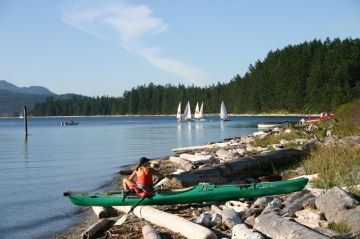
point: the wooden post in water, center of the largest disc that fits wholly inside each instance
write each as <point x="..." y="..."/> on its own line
<point x="25" y="121"/>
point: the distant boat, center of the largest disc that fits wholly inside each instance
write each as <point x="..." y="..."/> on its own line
<point x="322" y="116"/>
<point x="187" y="113"/>
<point x="178" y="112"/>
<point x="269" y="125"/>
<point x="223" y="113"/>
<point x="198" y="116"/>
<point x="21" y="116"/>
<point x="69" y="123"/>
<point x="197" y="111"/>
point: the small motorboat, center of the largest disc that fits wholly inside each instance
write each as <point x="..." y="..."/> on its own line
<point x="321" y="117"/>
<point x="69" y="123"/>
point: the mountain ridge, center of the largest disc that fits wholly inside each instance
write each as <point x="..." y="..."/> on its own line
<point x="14" y="98"/>
<point x="37" y="90"/>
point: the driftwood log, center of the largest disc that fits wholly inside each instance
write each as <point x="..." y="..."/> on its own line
<point x="201" y="147"/>
<point x="184" y="164"/>
<point x="245" y="167"/>
<point x="172" y="222"/>
<point x="296" y="205"/>
<point x="95" y="228"/>
<point x="203" y="158"/>
<point x="339" y="206"/>
<point x="277" y="227"/>
<point x="241" y="231"/>
<point x="229" y="217"/>
<point x="149" y="232"/>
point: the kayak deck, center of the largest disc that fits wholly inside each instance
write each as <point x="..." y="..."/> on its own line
<point x="203" y="192"/>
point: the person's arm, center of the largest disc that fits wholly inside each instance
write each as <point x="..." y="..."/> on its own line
<point x="131" y="178"/>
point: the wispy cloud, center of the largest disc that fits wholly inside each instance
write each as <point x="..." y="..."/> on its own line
<point x="130" y="24"/>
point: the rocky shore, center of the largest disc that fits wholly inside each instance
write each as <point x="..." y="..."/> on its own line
<point x="309" y="213"/>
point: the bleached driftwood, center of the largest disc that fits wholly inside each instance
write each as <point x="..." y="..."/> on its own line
<point x="273" y="206"/>
<point x="171" y="222"/>
<point x="101" y="212"/>
<point x="95" y="228"/>
<point x="185" y="164"/>
<point x="296" y="205"/>
<point x="310" y="214"/>
<point x="339" y="206"/>
<point x="241" y="231"/>
<point x="149" y="232"/>
<point x="312" y="223"/>
<point x="250" y="221"/>
<point x="225" y="155"/>
<point x="335" y="199"/>
<point x="229" y="217"/>
<point x="262" y="201"/>
<point x="293" y="196"/>
<point x="203" y="158"/>
<point x="245" y="167"/>
<point x="276" y="227"/>
<point x="202" y="147"/>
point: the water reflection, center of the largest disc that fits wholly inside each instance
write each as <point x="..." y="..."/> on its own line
<point x="26" y="151"/>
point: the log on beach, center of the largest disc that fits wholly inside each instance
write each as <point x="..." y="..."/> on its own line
<point x="171" y="222"/>
<point x="229" y="216"/>
<point x="245" y="167"/>
<point x="201" y="147"/>
<point x="149" y="232"/>
<point x="95" y="228"/>
<point x="184" y="164"/>
<point x="277" y="227"/>
<point x="338" y="206"/>
<point x="241" y="231"/>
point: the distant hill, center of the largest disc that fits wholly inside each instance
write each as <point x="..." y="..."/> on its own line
<point x="13" y="98"/>
<point x="37" y="90"/>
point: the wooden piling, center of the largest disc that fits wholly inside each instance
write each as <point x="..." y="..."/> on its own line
<point x="25" y="121"/>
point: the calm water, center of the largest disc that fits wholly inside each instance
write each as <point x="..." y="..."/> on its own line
<point x="35" y="172"/>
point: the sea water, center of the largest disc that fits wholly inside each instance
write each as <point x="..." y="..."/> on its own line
<point x="37" y="169"/>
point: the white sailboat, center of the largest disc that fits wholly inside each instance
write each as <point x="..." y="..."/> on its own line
<point x="197" y="111"/>
<point x="178" y="112"/>
<point x="187" y="113"/>
<point x="223" y="113"/>
<point x="201" y="110"/>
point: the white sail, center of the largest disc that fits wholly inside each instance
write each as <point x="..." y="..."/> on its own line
<point x="187" y="112"/>
<point x="201" y="110"/>
<point x="223" y="113"/>
<point x="178" y="113"/>
<point x="197" y="111"/>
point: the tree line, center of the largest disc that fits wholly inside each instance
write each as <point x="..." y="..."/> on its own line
<point x="313" y="76"/>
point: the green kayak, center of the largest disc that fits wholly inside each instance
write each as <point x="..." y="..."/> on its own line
<point x="203" y="192"/>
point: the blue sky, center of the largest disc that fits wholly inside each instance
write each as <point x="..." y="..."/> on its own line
<point x="105" y="47"/>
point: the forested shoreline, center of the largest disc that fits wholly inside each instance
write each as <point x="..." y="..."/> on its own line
<point x="309" y="77"/>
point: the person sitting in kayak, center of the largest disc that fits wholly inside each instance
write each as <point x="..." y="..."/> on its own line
<point x="144" y="174"/>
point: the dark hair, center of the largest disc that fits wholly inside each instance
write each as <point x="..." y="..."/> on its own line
<point x="142" y="161"/>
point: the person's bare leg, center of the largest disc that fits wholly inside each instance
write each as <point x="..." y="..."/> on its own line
<point x="127" y="184"/>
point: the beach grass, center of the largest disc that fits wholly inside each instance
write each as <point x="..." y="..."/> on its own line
<point x="334" y="166"/>
<point x="276" y="138"/>
<point x="340" y="227"/>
